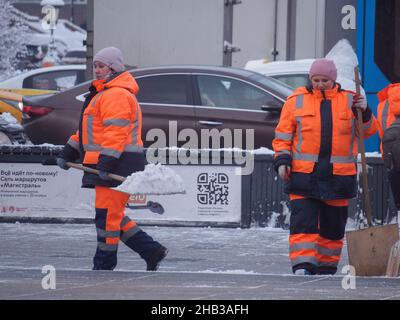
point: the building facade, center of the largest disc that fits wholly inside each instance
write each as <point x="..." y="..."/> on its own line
<point x="220" y="32"/>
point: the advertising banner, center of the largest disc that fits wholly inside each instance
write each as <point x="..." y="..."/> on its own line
<point x="213" y="194"/>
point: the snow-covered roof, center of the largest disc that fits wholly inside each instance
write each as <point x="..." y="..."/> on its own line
<point x="52" y="3"/>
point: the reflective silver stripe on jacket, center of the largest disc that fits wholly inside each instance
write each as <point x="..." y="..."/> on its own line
<point x="110" y="152"/>
<point x="299" y="101"/>
<point x="385" y="114"/>
<point x="299" y="105"/>
<point x="134" y="129"/>
<point x="89" y="129"/>
<point x="107" y="247"/>
<point x="305" y="157"/>
<point x="133" y="148"/>
<point x="350" y="99"/>
<point x="299" y="136"/>
<point x="343" y="160"/>
<point x="92" y="147"/>
<point x="284" y="136"/>
<point x="73" y="144"/>
<point x="116" y="122"/>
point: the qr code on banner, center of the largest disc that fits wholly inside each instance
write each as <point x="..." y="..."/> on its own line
<point x="213" y="188"/>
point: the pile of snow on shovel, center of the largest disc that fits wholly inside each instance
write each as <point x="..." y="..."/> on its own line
<point x="155" y="179"/>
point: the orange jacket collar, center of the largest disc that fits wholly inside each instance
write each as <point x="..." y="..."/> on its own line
<point x="386" y="92"/>
<point x="123" y="80"/>
<point x="329" y="94"/>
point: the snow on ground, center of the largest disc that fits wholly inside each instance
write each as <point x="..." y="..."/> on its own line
<point x="210" y="250"/>
<point x="202" y="264"/>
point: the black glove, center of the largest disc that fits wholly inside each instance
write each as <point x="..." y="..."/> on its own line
<point x="104" y="175"/>
<point x="62" y="163"/>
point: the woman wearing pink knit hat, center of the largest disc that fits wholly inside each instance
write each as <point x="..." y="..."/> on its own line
<point x="109" y="140"/>
<point x="316" y="156"/>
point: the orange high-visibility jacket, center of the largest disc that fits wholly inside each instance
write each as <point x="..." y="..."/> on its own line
<point x="111" y="126"/>
<point x="298" y="134"/>
<point x="388" y="107"/>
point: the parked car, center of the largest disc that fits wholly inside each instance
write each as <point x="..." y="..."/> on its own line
<point x="197" y="97"/>
<point x="51" y="78"/>
<point x="11" y="132"/>
<point x="11" y="100"/>
<point x="74" y="57"/>
<point x="294" y="73"/>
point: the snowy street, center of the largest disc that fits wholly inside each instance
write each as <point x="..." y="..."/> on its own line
<point x="202" y="264"/>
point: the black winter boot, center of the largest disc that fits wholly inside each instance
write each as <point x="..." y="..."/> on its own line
<point x="155" y="259"/>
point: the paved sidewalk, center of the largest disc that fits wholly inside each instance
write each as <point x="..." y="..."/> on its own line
<point x="203" y="263"/>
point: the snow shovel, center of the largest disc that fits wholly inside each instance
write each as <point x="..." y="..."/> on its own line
<point x="369" y="248"/>
<point x="393" y="266"/>
<point x="123" y="179"/>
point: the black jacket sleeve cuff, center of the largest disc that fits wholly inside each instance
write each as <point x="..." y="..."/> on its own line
<point x="106" y="163"/>
<point x="366" y="115"/>
<point x="283" y="159"/>
<point x="69" y="154"/>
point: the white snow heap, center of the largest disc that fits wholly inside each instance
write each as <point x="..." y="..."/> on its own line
<point x="8" y="119"/>
<point x="156" y="179"/>
<point x="345" y="60"/>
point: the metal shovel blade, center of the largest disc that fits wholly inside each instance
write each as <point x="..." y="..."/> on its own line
<point x="369" y="249"/>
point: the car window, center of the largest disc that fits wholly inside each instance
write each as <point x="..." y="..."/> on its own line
<point x="56" y="80"/>
<point x="77" y="54"/>
<point x="294" y="80"/>
<point x="165" y="89"/>
<point x="223" y="92"/>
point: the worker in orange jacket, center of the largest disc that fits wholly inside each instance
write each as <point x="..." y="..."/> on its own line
<point x="388" y="112"/>
<point x="316" y="155"/>
<point x="109" y="139"/>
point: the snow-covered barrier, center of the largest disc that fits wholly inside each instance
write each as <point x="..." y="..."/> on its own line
<point x="215" y="194"/>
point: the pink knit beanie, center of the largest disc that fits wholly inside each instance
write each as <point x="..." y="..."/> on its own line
<point x="323" y="67"/>
<point x="111" y="57"/>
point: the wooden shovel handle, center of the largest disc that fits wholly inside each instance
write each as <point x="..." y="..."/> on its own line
<point x="95" y="171"/>
<point x="367" y="202"/>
